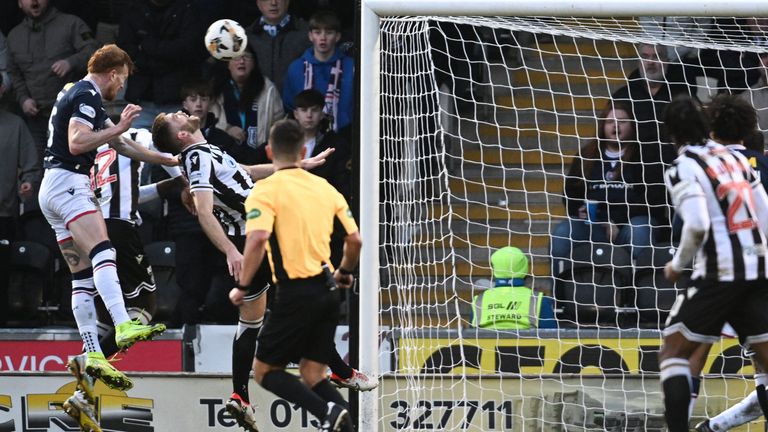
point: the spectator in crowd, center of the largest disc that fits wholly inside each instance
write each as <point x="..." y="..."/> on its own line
<point x="308" y="112"/>
<point x="21" y="170"/>
<point x="510" y="304"/>
<point x="198" y="100"/>
<point x="345" y="9"/>
<point x="757" y="95"/>
<point x="163" y="37"/>
<point x="734" y="71"/>
<point x="673" y="29"/>
<point x="20" y="174"/>
<point x="248" y="102"/>
<point x="47" y="50"/>
<point x="277" y="38"/>
<point x="108" y="14"/>
<point x="324" y="68"/>
<point x="648" y="91"/>
<point x="5" y="79"/>
<point x="604" y="190"/>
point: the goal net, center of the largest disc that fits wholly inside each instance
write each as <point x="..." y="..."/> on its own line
<point x="480" y="122"/>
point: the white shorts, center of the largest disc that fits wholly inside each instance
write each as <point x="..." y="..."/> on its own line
<point x="64" y="197"/>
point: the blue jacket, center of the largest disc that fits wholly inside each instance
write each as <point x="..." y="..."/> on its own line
<point x="294" y="82"/>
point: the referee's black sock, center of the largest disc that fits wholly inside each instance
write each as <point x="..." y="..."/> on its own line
<point x="339" y="366"/>
<point x="291" y="389"/>
<point x="676" y="383"/>
<point x="243" y="350"/>
<point x="325" y="390"/>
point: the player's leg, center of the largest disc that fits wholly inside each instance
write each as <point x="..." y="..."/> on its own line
<point x="697" y="360"/>
<point x="696" y="318"/>
<point x="675" y="375"/>
<point x="90" y="233"/>
<point x="344" y="375"/>
<point x="137" y="282"/>
<point x="318" y="349"/>
<point x="275" y="379"/>
<point x="78" y="407"/>
<point x="751" y="324"/>
<point x="745" y="411"/>
<point x="243" y="352"/>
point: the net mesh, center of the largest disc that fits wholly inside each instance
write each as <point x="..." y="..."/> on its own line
<point x="481" y="120"/>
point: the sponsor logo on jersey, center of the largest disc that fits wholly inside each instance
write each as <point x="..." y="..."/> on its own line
<point x="87" y="110"/>
<point x="253" y="214"/>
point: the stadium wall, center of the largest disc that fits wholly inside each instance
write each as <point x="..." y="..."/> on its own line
<point x="194" y="402"/>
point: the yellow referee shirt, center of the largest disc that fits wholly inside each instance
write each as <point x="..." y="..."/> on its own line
<point x="299" y="209"/>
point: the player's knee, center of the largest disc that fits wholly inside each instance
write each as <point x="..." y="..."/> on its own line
<point x="260" y="370"/>
<point x="103" y="247"/>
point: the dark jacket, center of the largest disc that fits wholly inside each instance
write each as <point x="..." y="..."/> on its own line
<point x="337" y="169"/>
<point x="618" y="189"/>
<point x="165" y="43"/>
<point x="275" y="54"/>
<point x="19" y="163"/>
<point x="36" y="44"/>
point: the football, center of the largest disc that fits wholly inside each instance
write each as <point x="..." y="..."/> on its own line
<point x="225" y="39"/>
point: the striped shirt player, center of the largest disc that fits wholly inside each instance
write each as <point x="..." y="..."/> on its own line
<point x="716" y="192"/>
<point x="116" y="183"/>
<point x="735" y="246"/>
<point x="210" y="169"/>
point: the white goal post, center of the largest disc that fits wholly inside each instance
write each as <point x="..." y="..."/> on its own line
<point x="372" y="14"/>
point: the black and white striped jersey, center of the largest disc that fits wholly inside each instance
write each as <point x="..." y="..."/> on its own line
<point x="735" y="246"/>
<point x="209" y="168"/>
<point x="116" y="179"/>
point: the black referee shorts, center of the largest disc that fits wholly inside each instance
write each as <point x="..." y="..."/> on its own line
<point x="133" y="268"/>
<point x="700" y="312"/>
<point x="301" y="324"/>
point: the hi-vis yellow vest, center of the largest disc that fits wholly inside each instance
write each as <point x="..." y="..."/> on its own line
<point x="507" y="307"/>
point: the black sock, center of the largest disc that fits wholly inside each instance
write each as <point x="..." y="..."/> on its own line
<point x="675" y="381"/>
<point x="677" y="396"/>
<point x="338" y="366"/>
<point x="243" y="350"/>
<point x="108" y="344"/>
<point x="291" y="389"/>
<point x="328" y="392"/>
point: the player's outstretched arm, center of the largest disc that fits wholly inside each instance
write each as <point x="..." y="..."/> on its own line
<point x="82" y="138"/>
<point x="131" y="149"/>
<point x="258" y="172"/>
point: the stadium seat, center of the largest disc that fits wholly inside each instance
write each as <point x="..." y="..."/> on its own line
<point x="162" y="258"/>
<point x="31" y="276"/>
<point x="592" y="285"/>
<point x="654" y="294"/>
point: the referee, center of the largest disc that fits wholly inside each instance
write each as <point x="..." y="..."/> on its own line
<point x="291" y="215"/>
